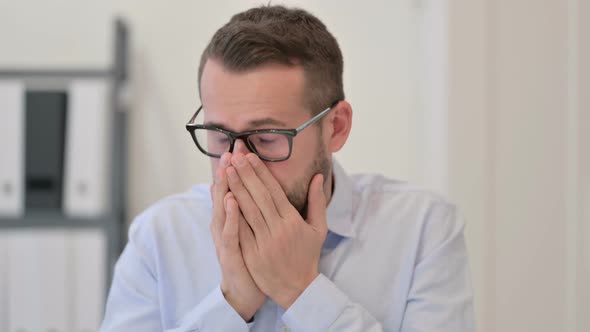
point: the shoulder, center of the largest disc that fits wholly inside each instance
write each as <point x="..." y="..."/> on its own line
<point x="406" y="215"/>
<point x="180" y="213"/>
<point x="404" y="208"/>
<point x="397" y="194"/>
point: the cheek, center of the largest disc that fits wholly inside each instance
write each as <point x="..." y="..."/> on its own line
<point x="305" y="144"/>
<point x="280" y="171"/>
<point x="303" y="154"/>
<point x="288" y="172"/>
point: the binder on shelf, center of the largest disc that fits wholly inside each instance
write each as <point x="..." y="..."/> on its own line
<point x="44" y="145"/>
<point x="88" y="142"/>
<point x="11" y="148"/>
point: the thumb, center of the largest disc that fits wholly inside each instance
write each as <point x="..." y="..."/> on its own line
<point x="316" y="203"/>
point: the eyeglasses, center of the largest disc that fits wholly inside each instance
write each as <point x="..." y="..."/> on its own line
<point x="268" y="144"/>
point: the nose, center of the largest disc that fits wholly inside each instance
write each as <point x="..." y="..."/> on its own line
<point x="240" y="146"/>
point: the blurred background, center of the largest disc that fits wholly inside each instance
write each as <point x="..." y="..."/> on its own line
<point x="485" y="101"/>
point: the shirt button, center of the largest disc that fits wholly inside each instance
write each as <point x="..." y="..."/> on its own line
<point x="285" y="329"/>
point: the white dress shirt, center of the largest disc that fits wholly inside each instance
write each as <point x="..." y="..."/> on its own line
<point x="394" y="260"/>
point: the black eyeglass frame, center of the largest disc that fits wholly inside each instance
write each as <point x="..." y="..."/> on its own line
<point x="288" y="133"/>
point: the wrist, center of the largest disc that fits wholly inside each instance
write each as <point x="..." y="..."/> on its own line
<point x="286" y="298"/>
<point x="242" y="307"/>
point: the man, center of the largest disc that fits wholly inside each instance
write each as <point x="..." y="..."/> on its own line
<point x="284" y="239"/>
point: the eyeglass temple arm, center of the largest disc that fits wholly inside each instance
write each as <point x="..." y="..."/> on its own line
<point x="195" y="115"/>
<point x="316" y="118"/>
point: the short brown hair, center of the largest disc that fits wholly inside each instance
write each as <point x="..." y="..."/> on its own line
<point x="280" y="35"/>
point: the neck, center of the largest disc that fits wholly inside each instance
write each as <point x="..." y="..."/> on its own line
<point x="329" y="187"/>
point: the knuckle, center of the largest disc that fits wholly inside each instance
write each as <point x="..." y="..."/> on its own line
<point x="291" y="215"/>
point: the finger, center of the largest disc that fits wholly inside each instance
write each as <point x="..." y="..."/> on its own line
<point x="220" y="186"/>
<point x="316" y="202"/>
<point x="284" y="207"/>
<point x="230" y="230"/>
<point x="256" y="188"/>
<point x="247" y="238"/>
<point x="249" y="209"/>
<point x="220" y="189"/>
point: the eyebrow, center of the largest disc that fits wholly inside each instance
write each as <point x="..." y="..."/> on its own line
<point x="253" y="123"/>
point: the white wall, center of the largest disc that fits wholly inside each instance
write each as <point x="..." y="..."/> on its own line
<point x="517" y="165"/>
<point x="380" y="44"/>
<point x="583" y="318"/>
<point x="518" y="124"/>
<point x="380" y="54"/>
<point x="470" y="160"/>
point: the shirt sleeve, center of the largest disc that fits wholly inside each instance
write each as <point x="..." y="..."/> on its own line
<point x="324" y="307"/>
<point x="133" y="305"/>
<point x="214" y="313"/>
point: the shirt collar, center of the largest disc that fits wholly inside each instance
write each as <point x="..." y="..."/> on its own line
<point x="339" y="211"/>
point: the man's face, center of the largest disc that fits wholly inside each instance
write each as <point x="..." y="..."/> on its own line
<point x="269" y="97"/>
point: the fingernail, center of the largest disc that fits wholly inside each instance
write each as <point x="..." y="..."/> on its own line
<point x="321" y="182"/>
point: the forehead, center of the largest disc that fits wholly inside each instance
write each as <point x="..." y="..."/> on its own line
<point x="267" y="91"/>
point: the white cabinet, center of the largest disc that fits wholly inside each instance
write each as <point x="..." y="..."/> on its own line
<point x="3" y="284"/>
<point x="52" y="280"/>
<point x="89" y="261"/>
<point x="24" y="283"/>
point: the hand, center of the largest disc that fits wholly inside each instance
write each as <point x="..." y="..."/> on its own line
<point x="281" y="250"/>
<point x="237" y="285"/>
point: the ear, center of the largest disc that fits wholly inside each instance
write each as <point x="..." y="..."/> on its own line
<point x="337" y="127"/>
